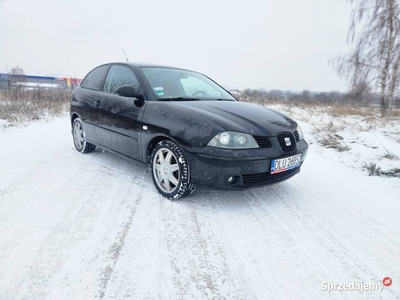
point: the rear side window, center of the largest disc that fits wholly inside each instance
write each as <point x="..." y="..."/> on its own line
<point x="119" y="76"/>
<point x="93" y="80"/>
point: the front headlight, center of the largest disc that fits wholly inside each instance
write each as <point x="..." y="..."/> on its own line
<point x="301" y="135"/>
<point x="233" y="140"/>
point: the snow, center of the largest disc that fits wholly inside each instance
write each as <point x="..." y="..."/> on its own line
<point x="3" y="123"/>
<point x="34" y="85"/>
<point x="368" y="139"/>
<point x="93" y="226"/>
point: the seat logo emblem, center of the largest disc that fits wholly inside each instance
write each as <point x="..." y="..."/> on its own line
<point x="288" y="142"/>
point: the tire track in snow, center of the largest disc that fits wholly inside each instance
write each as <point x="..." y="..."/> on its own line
<point x="140" y="175"/>
<point x="375" y="235"/>
<point x="225" y="215"/>
<point x="257" y="248"/>
<point x="197" y="260"/>
<point x="324" y="234"/>
<point x="39" y="186"/>
<point x="24" y="177"/>
<point x="22" y="166"/>
<point x="77" y="227"/>
<point x="115" y="249"/>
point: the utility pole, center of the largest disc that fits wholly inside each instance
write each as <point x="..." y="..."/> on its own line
<point x="9" y="77"/>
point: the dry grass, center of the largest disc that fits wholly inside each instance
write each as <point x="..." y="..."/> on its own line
<point x="335" y="110"/>
<point x="374" y="170"/>
<point x="18" y="104"/>
<point x="351" y="110"/>
<point x="327" y="136"/>
<point x="389" y="156"/>
<point x="395" y="113"/>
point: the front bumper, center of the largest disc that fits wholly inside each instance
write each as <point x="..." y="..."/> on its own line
<point x="239" y="169"/>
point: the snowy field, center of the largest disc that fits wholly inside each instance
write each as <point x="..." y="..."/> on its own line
<point x="93" y="226"/>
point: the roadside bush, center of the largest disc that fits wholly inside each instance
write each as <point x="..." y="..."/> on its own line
<point x="374" y="170"/>
<point x="20" y="104"/>
<point x="328" y="137"/>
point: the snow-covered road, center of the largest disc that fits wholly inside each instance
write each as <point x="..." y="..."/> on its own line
<point x="93" y="226"/>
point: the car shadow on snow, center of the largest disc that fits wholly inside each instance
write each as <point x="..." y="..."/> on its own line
<point x="267" y="196"/>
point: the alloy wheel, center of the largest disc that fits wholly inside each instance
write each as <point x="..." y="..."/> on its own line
<point x="78" y="135"/>
<point x="166" y="170"/>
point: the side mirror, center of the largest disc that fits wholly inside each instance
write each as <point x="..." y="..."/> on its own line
<point x="130" y="92"/>
<point x="126" y="91"/>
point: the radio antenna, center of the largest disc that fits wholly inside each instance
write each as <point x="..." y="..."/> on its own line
<point x="125" y="54"/>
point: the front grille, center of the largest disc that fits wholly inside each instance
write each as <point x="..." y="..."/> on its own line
<point x="265" y="178"/>
<point x="262" y="141"/>
<point x="287" y="142"/>
<point x="296" y="135"/>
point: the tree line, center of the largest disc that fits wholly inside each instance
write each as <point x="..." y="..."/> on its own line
<point x="360" y="97"/>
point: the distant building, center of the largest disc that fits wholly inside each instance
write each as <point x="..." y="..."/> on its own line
<point x="34" y="81"/>
<point x="4" y="81"/>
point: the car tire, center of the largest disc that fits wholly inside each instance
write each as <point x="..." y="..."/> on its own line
<point x="79" y="137"/>
<point x="170" y="171"/>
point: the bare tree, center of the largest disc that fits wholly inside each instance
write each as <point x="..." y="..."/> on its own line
<point x="375" y="60"/>
<point x="17" y="71"/>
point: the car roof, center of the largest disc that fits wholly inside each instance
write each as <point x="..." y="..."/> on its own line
<point x="142" y="65"/>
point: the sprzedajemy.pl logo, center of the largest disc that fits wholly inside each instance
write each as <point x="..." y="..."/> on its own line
<point x="360" y="286"/>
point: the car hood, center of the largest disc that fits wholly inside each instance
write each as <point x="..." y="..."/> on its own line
<point x="241" y="117"/>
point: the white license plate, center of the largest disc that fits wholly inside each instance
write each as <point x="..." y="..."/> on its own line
<point x="285" y="164"/>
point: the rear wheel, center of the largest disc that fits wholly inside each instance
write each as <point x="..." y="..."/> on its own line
<point x="170" y="171"/>
<point x="78" y="133"/>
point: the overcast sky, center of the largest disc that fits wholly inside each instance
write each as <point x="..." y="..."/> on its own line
<point x="267" y="44"/>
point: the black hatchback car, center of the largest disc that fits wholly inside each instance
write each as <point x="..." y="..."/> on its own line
<point x="186" y="127"/>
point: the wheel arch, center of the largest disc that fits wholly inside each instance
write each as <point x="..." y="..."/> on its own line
<point x="73" y="117"/>
<point x="153" y="142"/>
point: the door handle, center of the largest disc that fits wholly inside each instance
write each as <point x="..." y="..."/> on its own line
<point x="97" y="103"/>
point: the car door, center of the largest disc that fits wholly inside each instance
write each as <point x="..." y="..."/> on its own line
<point x="84" y="101"/>
<point x="119" y="116"/>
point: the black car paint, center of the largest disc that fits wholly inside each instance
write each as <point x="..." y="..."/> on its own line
<point x="117" y="124"/>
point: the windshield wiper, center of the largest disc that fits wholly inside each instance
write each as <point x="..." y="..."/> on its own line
<point x="225" y="99"/>
<point x="178" y="99"/>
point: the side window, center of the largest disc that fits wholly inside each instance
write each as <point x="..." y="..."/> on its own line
<point x="193" y="85"/>
<point x="119" y="76"/>
<point x="93" y="79"/>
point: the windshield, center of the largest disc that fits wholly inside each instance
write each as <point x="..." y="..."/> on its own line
<point x="176" y="84"/>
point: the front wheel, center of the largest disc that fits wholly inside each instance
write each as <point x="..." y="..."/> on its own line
<point x="170" y="171"/>
<point x="79" y="136"/>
